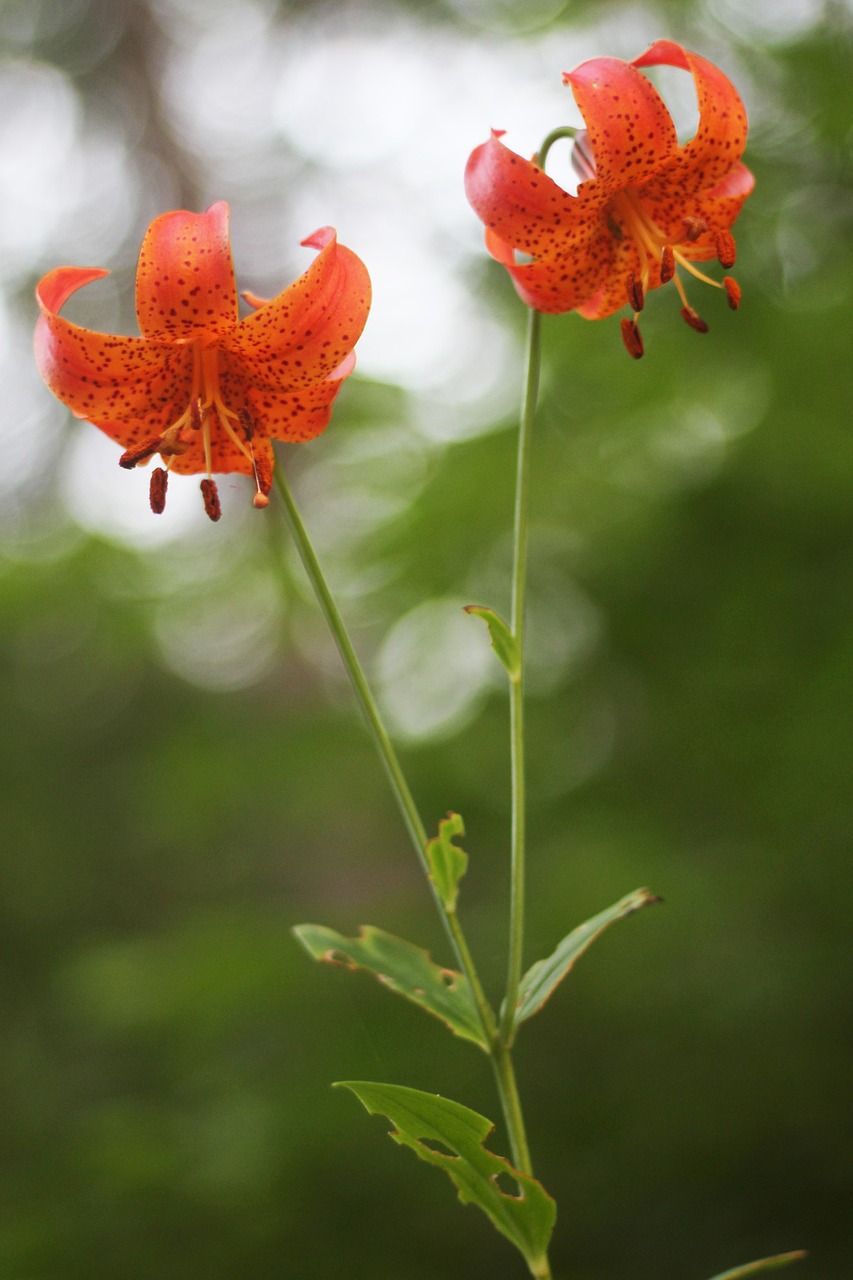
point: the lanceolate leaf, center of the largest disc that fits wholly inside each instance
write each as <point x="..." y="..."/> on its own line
<point x="503" y="641"/>
<point x="447" y="863"/>
<point x="451" y="1137"/>
<point x="542" y="977"/>
<point x="402" y="967"/>
<point x="763" y="1264"/>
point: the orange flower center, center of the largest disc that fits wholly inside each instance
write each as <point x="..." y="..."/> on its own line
<point x="658" y="254"/>
<point x="205" y="401"/>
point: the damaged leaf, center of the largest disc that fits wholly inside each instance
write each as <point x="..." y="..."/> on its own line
<point x="402" y="967"/>
<point x="451" y="1137"/>
<point x="447" y="863"/>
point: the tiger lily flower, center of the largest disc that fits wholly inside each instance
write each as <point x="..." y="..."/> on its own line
<point x="202" y="388"/>
<point x="646" y="209"/>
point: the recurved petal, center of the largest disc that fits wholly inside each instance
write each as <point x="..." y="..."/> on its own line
<point x="301" y="336"/>
<point x="185" y="279"/>
<point x="562" y="281"/>
<point x="130" y="383"/>
<point x="522" y="206"/>
<point x="631" y="133"/>
<point x="721" y="134"/>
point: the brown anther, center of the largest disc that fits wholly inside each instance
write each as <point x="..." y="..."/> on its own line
<point x="196" y="419"/>
<point x="631" y="338"/>
<point x="691" y="317"/>
<point x="171" y="443"/>
<point x="636" y="296"/>
<point x="211" y="499"/>
<point x="732" y="289"/>
<point x="694" y="227"/>
<point x="246" y="422"/>
<point x="667" y="265"/>
<point x="157" y="490"/>
<point x="726" y="252"/>
<point x="139" y="452"/>
<point x="260" y="501"/>
<point x="263" y="472"/>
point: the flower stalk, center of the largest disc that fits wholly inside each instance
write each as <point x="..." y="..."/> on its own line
<point x="384" y="746"/>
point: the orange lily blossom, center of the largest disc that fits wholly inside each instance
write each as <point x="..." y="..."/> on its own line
<point x="646" y="207"/>
<point x="204" y="389"/>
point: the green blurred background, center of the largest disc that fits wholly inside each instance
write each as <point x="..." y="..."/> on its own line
<point x="185" y="776"/>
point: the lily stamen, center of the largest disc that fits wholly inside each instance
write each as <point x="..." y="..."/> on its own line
<point x="732" y="289"/>
<point x="636" y="293"/>
<point x="632" y="339"/>
<point x="691" y="317"/>
<point x="726" y="249"/>
<point x="694" y="271"/>
<point x="694" y="227"/>
<point x="157" y="490"/>
<point x="210" y="494"/>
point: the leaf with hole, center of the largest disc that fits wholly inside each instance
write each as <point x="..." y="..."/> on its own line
<point x="542" y="977"/>
<point x="763" y="1264"/>
<point x="447" y="862"/>
<point x="402" y="967"/>
<point x="451" y="1137"/>
<point x="503" y="641"/>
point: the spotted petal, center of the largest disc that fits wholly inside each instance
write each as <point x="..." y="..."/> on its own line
<point x="718" y="208"/>
<point x="720" y="137"/>
<point x="129" y="383"/>
<point x="562" y="280"/>
<point x="297" y="415"/>
<point x="301" y="336"/>
<point x="631" y="133"/>
<point x="522" y="206"/>
<point x="612" y="293"/>
<point x="185" y="279"/>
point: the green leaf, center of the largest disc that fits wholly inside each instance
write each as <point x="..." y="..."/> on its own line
<point x="447" y="863"/>
<point x="402" y="967"/>
<point x="542" y="977"/>
<point x="451" y="1137"/>
<point x="763" y="1264"/>
<point x="504" y="642"/>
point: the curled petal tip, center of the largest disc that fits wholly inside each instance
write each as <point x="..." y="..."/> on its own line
<point x="498" y="133"/>
<point x="663" y="51"/>
<point x="55" y="288"/>
<point x="253" y="299"/>
<point x="319" y="238"/>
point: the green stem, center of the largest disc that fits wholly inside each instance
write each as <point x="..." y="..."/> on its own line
<point x="522" y="504"/>
<point x="384" y="746"/>
<point x="513" y="1116"/>
<point x="564" y="131"/>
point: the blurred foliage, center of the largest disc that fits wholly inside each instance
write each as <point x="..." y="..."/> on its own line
<point x="185" y="776"/>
